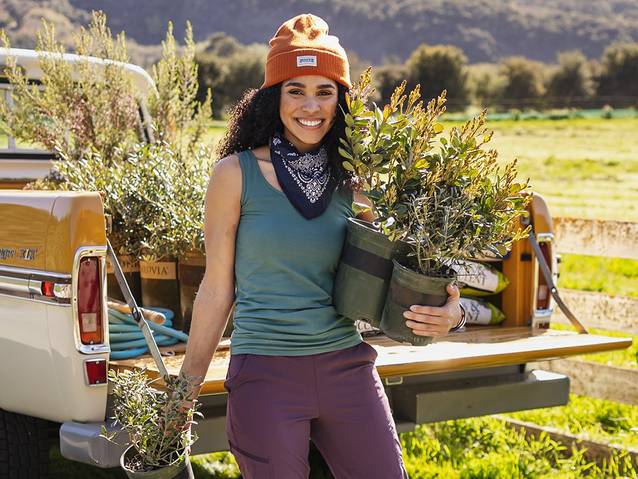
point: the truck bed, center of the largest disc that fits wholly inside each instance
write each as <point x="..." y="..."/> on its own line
<point x="475" y="348"/>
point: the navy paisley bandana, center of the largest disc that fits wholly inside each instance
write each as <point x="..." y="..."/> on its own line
<point x="306" y="178"/>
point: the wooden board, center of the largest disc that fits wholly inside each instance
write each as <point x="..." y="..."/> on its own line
<point x="475" y="348"/>
<point x="617" y="239"/>
<point x="598" y="380"/>
<point x="613" y="313"/>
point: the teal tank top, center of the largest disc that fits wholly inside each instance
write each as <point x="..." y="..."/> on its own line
<point x="285" y="267"/>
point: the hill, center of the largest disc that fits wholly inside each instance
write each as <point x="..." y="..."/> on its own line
<point x="377" y="30"/>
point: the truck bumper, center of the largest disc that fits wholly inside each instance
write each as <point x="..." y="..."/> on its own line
<point x="456" y="396"/>
<point x="82" y="442"/>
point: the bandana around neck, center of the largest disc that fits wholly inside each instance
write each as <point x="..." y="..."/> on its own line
<point x="306" y="178"/>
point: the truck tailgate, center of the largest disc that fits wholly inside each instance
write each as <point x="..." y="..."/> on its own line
<point x="473" y="349"/>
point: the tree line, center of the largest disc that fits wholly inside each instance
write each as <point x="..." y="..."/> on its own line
<point x="229" y="68"/>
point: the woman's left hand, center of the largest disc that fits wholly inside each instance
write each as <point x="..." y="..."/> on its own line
<point x="433" y="320"/>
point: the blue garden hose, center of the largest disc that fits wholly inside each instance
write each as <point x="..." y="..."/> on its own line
<point x="126" y="337"/>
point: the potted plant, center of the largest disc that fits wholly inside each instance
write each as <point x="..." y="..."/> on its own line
<point x="190" y="202"/>
<point x="156" y="421"/>
<point x="379" y="151"/>
<point x="151" y="176"/>
<point x="435" y="203"/>
<point x="467" y="206"/>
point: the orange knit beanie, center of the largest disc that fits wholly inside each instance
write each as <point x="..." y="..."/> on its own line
<point x="302" y="46"/>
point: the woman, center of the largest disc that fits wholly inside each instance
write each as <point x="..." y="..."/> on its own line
<point x="276" y="211"/>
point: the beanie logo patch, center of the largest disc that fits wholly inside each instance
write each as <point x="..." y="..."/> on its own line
<point x="307" y="61"/>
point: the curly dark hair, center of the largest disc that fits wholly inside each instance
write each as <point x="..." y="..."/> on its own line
<point x="255" y="118"/>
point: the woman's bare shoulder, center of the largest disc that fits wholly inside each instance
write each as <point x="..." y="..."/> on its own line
<point x="226" y="176"/>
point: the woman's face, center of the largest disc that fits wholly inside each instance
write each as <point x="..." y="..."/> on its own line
<point x="307" y="109"/>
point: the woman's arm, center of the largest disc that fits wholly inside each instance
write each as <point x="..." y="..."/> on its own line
<point x="217" y="290"/>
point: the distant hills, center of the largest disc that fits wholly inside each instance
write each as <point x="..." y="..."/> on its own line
<point x="377" y="30"/>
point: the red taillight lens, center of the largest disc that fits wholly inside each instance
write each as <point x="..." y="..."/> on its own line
<point x="47" y="289"/>
<point x="95" y="371"/>
<point x="543" y="294"/>
<point x="90" y="301"/>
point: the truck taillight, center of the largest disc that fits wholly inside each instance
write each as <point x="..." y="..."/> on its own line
<point x="543" y="294"/>
<point x="90" y="301"/>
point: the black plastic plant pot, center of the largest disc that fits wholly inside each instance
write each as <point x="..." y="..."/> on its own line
<point x="131" y="268"/>
<point x="407" y="288"/>
<point x="178" y="470"/>
<point x="191" y="268"/>
<point x="160" y="287"/>
<point x="364" y="272"/>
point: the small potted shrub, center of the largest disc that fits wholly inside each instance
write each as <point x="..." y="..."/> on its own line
<point x="192" y="261"/>
<point x="379" y="151"/>
<point x="153" y="175"/>
<point x="467" y="206"/>
<point x="157" y="424"/>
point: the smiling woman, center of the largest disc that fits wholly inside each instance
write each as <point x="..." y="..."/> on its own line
<point x="276" y="213"/>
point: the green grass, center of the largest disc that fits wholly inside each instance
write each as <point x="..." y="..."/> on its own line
<point x="599" y="420"/>
<point x="486" y="448"/>
<point x="613" y="276"/>
<point x="585" y="168"/>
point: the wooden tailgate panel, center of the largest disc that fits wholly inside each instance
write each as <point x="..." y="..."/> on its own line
<point x="473" y="349"/>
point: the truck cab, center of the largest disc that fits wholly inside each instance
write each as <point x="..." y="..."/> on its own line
<point x="54" y="337"/>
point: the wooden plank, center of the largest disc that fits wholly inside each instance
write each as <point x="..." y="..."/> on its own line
<point x="618" y="239"/>
<point x="594" y="450"/>
<point x="476" y="348"/>
<point x="597" y="380"/>
<point x="613" y="313"/>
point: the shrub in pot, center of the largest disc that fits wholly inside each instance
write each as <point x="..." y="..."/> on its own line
<point x="467" y="206"/>
<point x="379" y="145"/>
<point x="445" y="198"/>
<point x="192" y="261"/>
<point x="156" y="421"/>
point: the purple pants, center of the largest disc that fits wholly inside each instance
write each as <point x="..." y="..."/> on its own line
<point x="277" y="403"/>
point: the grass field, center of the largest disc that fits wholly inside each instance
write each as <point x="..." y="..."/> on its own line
<point x="585" y="168"/>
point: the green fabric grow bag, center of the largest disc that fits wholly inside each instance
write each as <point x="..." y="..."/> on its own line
<point x="364" y="272"/>
<point x="407" y="288"/>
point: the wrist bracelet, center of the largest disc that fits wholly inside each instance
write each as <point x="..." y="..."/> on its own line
<point x="461" y="324"/>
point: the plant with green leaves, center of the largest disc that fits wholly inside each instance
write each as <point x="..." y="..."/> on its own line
<point x="446" y="196"/>
<point x="162" y="200"/>
<point x="155" y="420"/>
<point x="87" y="114"/>
<point x="89" y="174"/>
<point x="384" y="149"/>
<point x="468" y="205"/>
<point x="177" y="117"/>
<point x="79" y="107"/>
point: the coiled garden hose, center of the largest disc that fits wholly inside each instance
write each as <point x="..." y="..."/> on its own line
<point x="126" y="337"/>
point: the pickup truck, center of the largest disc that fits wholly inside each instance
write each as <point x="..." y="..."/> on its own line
<point x="54" y="336"/>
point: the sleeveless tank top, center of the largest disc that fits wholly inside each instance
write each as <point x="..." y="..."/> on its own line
<point x="285" y="267"/>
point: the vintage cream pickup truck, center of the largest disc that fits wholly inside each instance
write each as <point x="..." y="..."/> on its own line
<point x="54" y="336"/>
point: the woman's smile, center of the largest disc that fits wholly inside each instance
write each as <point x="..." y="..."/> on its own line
<point x="308" y="123"/>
